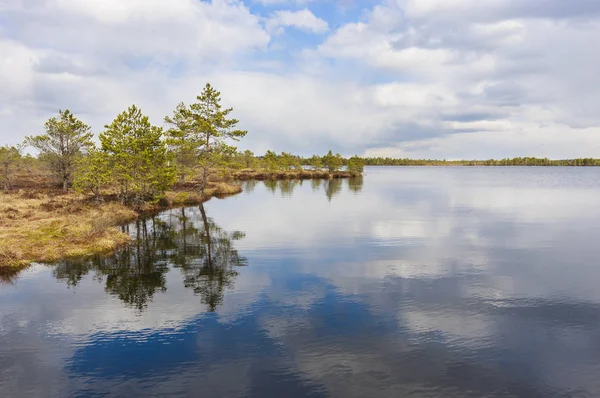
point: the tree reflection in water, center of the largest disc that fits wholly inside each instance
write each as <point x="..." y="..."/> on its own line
<point x="214" y="269"/>
<point x="355" y="184"/>
<point x="271" y="185"/>
<point x="187" y="240"/>
<point x="9" y="275"/>
<point x="249" y="185"/>
<point x="316" y="184"/>
<point x="287" y="187"/>
<point x="332" y="186"/>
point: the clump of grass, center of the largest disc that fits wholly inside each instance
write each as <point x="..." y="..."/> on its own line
<point x="190" y="196"/>
<point x="12" y="256"/>
<point x="184" y="198"/>
<point x="221" y="189"/>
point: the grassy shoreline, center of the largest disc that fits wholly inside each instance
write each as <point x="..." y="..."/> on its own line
<point x="47" y="226"/>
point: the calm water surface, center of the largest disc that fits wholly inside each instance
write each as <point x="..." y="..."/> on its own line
<point x="425" y="282"/>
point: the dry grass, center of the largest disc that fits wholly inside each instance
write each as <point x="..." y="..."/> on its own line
<point x="221" y="189"/>
<point x="186" y="196"/>
<point x="40" y="226"/>
<point x="252" y="174"/>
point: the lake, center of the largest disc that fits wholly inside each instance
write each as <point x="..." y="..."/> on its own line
<point x="412" y="281"/>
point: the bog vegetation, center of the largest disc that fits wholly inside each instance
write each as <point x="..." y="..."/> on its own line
<point x="69" y="199"/>
<point x="138" y="162"/>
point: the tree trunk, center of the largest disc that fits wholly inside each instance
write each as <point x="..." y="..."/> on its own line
<point x="65" y="184"/>
<point x="203" y="181"/>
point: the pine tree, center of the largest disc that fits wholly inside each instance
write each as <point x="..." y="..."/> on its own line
<point x="137" y="155"/>
<point x="356" y="165"/>
<point x="9" y="159"/>
<point x="316" y="162"/>
<point x="271" y="161"/>
<point x="66" y="138"/>
<point x="202" y="131"/>
<point x="249" y="159"/>
<point x="289" y="161"/>
<point x="183" y="141"/>
<point x="332" y="162"/>
<point x="212" y="121"/>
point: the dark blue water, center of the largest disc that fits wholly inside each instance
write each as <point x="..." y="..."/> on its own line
<point x="424" y="282"/>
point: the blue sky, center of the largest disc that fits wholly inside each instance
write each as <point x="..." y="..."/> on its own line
<point x="416" y="78"/>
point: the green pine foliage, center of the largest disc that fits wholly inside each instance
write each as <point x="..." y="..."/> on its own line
<point x="248" y="159"/>
<point x="289" y="161"/>
<point x="93" y="173"/>
<point x="137" y="156"/>
<point x="183" y="140"/>
<point x="212" y="121"/>
<point x="333" y="162"/>
<point x="316" y="162"/>
<point x="271" y="161"/>
<point x="356" y="165"/>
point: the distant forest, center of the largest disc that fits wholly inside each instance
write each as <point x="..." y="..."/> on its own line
<point x="526" y="161"/>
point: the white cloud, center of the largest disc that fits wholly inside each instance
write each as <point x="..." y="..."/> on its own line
<point x="180" y="28"/>
<point x="504" y="68"/>
<point x="302" y="19"/>
<point x="16" y="72"/>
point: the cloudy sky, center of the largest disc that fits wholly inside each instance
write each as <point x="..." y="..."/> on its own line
<point x="415" y="78"/>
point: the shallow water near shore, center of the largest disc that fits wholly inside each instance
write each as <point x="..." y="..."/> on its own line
<point x="410" y="281"/>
